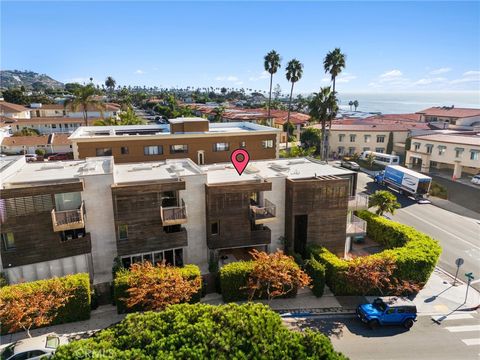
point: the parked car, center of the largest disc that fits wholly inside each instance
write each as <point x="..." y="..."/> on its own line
<point x="476" y="179"/>
<point x="350" y="165"/>
<point x="31" y="157"/>
<point x="391" y="310"/>
<point x="59" y="156"/>
<point x="33" y="348"/>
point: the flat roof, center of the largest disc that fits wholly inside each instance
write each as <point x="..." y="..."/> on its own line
<point x="50" y="172"/>
<point x="460" y="139"/>
<point x="171" y="169"/>
<point x="294" y="168"/>
<point x="163" y="130"/>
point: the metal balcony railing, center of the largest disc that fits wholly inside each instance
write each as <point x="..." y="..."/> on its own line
<point x="68" y="219"/>
<point x="265" y="213"/>
<point x="356" y="226"/>
<point x="173" y="215"/>
<point x="358" y="202"/>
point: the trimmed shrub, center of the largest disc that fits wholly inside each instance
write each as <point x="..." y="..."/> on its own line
<point x="415" y="253"/>
<point x="316" y="271"/>
<point x="76" y="309"/>
<point x="120" y="287"/>
<point x="233" y="280"/>
<point x="3" y="280"/>
<point x="200" y="331"/>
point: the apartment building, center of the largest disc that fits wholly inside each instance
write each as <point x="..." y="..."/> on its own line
<point x="458" y="153"/>
<point x="451" y="117"/>
<point x="77" y="216"/>
<point x="59" y="110"/>
<point x="347" y="139"/>
<point x="195" y="138"/>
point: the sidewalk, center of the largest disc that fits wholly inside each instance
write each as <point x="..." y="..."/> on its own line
<point x="455" y="208"/>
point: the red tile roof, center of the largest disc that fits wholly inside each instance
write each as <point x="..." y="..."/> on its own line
<point x="450" y="112"/>
<point x="25" y="140"/>
<point x="108" y="107"/>
<point x="55" y="120"/>
<point x="60" y="139"/>
<point x="6" y="107"/>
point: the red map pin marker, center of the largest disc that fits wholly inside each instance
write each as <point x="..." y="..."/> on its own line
<point x="240" y="159"/>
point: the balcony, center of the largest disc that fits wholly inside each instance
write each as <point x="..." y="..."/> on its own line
<point x="68" y="219"/>
<point x="356" y="226"/>
<point x="173" y="215"/>
<point x="358" y="202"/>
<point x="263" y="214"/>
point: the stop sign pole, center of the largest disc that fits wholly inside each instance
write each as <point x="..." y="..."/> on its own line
<point x="459" y="262"/>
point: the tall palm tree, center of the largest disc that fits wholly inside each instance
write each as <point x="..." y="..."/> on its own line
<point x="333" y="64"/>
<point x="85" y="97"/>
<point x="323" y="107"/>
<point x="355" y="104"/>
<point x="271" y="64"/>
<point x="110" y="83"/>
<point x="294" y="72"/>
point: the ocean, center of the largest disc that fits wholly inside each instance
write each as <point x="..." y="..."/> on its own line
<point x="397" y="103"/>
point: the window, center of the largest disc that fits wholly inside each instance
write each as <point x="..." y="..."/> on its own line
<point x="416" y="146"/>
<point x="380" y="150"/>
<point x="124" y="150"/>
<point x="71" y="234"/>
<point x="153" y="150"/>
<point x="214" y="228"/>
<point x="400" y="310"/>
<point x="177" y="149"/>
<point x="221" y="147"/>
<point x="54" y="126"/>
<point x="458" y="152"/>
<point x="8" y="241"/>
<point x="380" y="138"/>
<point x="104" y="152"/>
<point x="390" y="311"/>
<point x="366" y="149"/>
<point x="352" y="137"/>
<point x="341" y="150"/>
<point x="367" y="138"/>
<point x="123" y="232"/>
<point x="429" y="148"/>
<point x="267" y="144"/>
<point x="351" y="151"/>
<point x="243" y="144"/>
<point x="441" y="150"/>
<point x="341" y="137"/>
<point x="474" y="154"/>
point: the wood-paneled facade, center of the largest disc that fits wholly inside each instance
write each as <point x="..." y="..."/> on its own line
<point x="138" y="207"/>
<point x="228" y="213"/>
<point x="26" y="212"/>
<point x="316" y="213"/>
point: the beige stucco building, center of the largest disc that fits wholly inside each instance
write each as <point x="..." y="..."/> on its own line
<point x="458" y="152"/>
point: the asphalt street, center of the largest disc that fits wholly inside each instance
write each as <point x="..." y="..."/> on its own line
<point x="457" y="337"/>
<point x="459" y="236"/>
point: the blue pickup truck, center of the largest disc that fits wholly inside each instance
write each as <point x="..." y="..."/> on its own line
<point x="390" y="310"/>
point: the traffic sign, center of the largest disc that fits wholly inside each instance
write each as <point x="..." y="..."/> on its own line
<point x="469" y="276"/>
<point x="459" y="262"/>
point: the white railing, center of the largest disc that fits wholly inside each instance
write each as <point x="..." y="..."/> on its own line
<point x="356" y="226"/>
<point x="358" y="202"/>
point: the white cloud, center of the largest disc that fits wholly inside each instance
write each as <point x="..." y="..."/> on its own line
<point x="231" y="78"/>
<point x="263" y="75"/>
<point x="472" y="73"/>
<point x="468" y="76"/>
<point x="326" y="79"/>
<point x="440" y="71"/>
<point x="139" y="72"/>
<point x="428" y="81"/>
<point x="392" y="74"/>
<point x="345" y="78"/>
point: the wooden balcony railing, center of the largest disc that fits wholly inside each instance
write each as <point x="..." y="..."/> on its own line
<point x="263" y="214"/>
<point x="173" y="215"/>
<point x="68" y="219"/>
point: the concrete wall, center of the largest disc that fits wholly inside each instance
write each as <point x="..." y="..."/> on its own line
<point x="49" y="269"/>
<point x="97" y="196"/>
<point x="194" y="197"/>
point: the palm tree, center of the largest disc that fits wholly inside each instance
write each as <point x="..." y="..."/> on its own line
<point x="355" y="103"/>
<point x="323" y="107"/>
<point x="294" y="72"/>
<point x="110" y="83"/>
<point x="350" y="103"/>
<point x="385" y="201"/>
<point x="219" y="111"/>
<point x="126" y="118"/>
<point x="85" y="97"/>
<point x="271" y="64"/>
<point x="333" y="64"/>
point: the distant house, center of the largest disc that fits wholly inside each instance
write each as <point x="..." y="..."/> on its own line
<point x="451" y="117"/>
<point x="14" y="111"/>
<point x="52" y="143"/>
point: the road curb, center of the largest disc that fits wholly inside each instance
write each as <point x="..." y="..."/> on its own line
<point x="450" y="275"/>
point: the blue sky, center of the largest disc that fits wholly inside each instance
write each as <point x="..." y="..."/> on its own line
<point x="390" y="46"/>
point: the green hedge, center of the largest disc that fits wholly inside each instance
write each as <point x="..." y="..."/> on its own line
<point x="316" y="271"/>
<point x="200" y="331"/>
<point x="120" y="287"/>
<point x="414" y="252"/>
<point x="76" y="309"/>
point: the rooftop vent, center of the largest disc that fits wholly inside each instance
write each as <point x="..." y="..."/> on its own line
<point x="279" y="167"/>
<point x="250" y="169"/>
<point x="141" y="167"/>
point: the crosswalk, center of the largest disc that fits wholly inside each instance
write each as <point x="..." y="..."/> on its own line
<point x="469" y="330"/>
